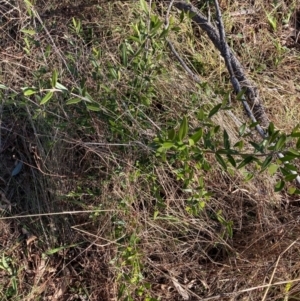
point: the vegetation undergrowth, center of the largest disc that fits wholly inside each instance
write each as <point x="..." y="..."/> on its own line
<point x="123" y="179"/>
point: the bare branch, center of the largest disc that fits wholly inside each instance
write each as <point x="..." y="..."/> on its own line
<point x="251" y="91"/>
<point x="235" y="69"/>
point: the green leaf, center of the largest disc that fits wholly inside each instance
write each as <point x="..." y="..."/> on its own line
<point x="155" y="24"/>
<point x="29" y="91"/>
<point x="217" y="129"/>
<point x="227" y="152"/>
<point x="253" y="124"/>
<point x="272" y="169"/>
<point x="94" y="108"/>
<point x="171" y="134"/>
<point x="295" y="132"/>
<point x="46" y="98"/>
<point x="183" y="129"/>
<point x="197" y="136"/>
<point x="290" y="177"/>
<point x="279" y="186"/>
<point x="292" y="189"/>
<point x="144" y="6"/>
<point x="231" y="160"/>
<point x="298" y="144"/>
<point x="239" y="145"/>
<point x="214" y="110"/>
<point x="246" y="161"/>
<point x="124" y="55"/>
<point x="280" y="143"/>
<point x="293" y="152"/>
<point x="201" y="115"/>
<point x="60" y="87"/>
<point x="167" y="145"/>
<point x="226" y="140"/>
<point x="3" y="87"/>
<point x="164" y="33"/>
<point x="290" y="167"/>
<point x="54" y="78"/>
<point x="206" y="166"/>
<point x="248" y="176"/>
<point x="135" y="39"/>
<point x="191" y="142"/>
<point x="258" y="147"/>
<point x="58" y="249"/>
<point x="73" y="101"/>
<point x="242" y="129"/>
<point x="271" y="129"/>
<point x="266" y="163"/>
<point x="113" y="72"/>
<point x="284" y="171"/>
<point x="31" y="32"/>
<point x="181" y="18"/>
<point x="221" y="161"/>
<point x="273" y="137"/>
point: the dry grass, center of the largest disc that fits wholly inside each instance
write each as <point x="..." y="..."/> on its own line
<point x="125" y="225"/>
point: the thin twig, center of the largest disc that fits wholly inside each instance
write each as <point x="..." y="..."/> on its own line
<point x="194" y="76"/>
<point x="172" y="48"/>
<point x="56" y="213"/>
<point x="272" y="277"/>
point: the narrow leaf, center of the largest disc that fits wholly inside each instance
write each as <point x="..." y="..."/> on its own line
<point x="221" y="161"/>
<point x="54" y="78"/>
<point x="249" y="176"/>
<point x="284" y="171"/>
<point x="298" y="144"/>
<point x="124" y="55"/>
<point x="46" y="98"/>
<point x="201" y="115"/>
<point x="214" y="110"/>
<point x="144" y="6"/>
<point x="258" y="147"/>
<point x="290" y="167"/>
<point x="279" y="186"/>
<point x="197" y="136"/>
<point x="266" y="163"/>
<point x="29" y="91"/>
<point x="242" y="129"/>
<point x="73" y="101"/>
<point x="280" y="143"/>
<point x="271" y="129"/>
<point x="183" y="129"/>
<point x="246" y="161"/>
<point x="290" y="177"/>
<point x="231" y="160"/>
<point x="31" y="32"/>
<point x="167" y="145"/>
<point x="293" y="152"/>
<point x="93" y="108"/>
<point x="60" y="87"/>
<point x="226" y="140"/>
